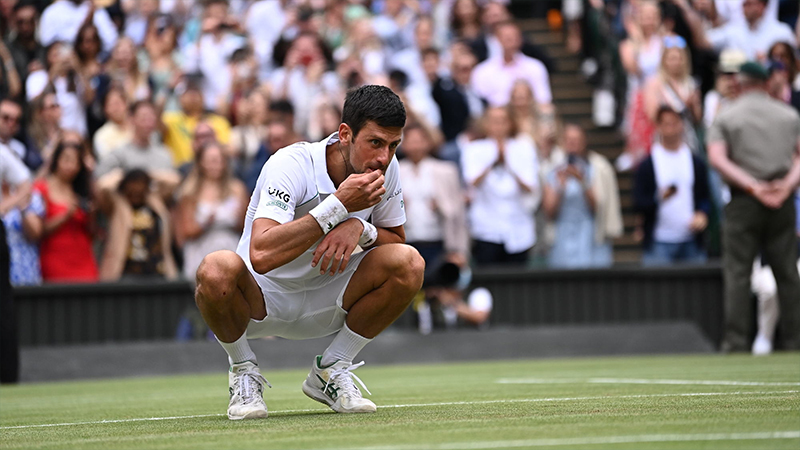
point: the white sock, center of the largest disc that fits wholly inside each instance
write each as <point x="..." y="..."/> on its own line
<point x="239" y="351"/>
<point x="345" y="347"/>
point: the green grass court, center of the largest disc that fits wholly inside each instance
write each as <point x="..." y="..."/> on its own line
<point x="676" y="402"/>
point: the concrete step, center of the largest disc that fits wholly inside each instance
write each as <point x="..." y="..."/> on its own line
<point x="583" y="92"/>
<point x="568" y="79"/>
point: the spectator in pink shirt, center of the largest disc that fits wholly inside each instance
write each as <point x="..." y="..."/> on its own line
<point x="494" y="78"/>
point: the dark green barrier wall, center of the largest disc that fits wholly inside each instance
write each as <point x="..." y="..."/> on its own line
<point x="62" y="314"/>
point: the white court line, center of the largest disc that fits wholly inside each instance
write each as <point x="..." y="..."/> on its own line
<point x="412" y="405"/>
<point x="601" y="440"/>
<point x="642" y="381"/>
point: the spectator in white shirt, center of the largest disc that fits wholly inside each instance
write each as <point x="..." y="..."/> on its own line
<point x="266" y="20"/>
<point x="494" y="78"/>
<point x="62" y="20"/>
<point x="211" y="54"/>
<point x="501" y="171"/>
<point x="755" y="35"/>
<point x="730" y="11"/>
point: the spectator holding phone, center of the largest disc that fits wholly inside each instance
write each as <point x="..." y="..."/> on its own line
<point x="582" y="198"/>
<point x="66" y="245"/>
<point x="671" y="193"/>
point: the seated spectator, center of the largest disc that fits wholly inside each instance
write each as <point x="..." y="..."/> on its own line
<point x="66" y="245"/>
<point x="755" y="35"/>
<point x="501" y="173"/>
<point x="139" y="243"/>
<point x="44" y="126"/>
<point x="62" y="20"/>
<point x="211" y="208"/>
<point x="117" y="131"/>
<point x="674" y="86"/>
<point x="179" y="126"/>
<point x="458" y="103"/>
<point x="434" y="200"/>
<point x="671" y="192"/>
<point x="494" y="78"/>
<point x="22" y="213"/>
<point x="582" y="198"/>
<point x="143" y="152"/>
<point x="10" y="119"/>
<point x="60" y="73"/>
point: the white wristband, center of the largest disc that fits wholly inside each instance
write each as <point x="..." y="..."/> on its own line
<point x="329" y="213"/>
<point x="369" y="235"/>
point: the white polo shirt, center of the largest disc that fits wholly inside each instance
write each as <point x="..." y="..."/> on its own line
<point x="292" y="182"/>
<point x="752" y="41"/>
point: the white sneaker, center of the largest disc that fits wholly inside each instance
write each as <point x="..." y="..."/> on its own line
<point x="246" y="384"/>
<point x="762" y="346"/>
<point x="333" y="385"/>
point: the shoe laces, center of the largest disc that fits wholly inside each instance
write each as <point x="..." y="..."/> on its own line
<point x="248" y="384"/>
<point x="343" y="375"/>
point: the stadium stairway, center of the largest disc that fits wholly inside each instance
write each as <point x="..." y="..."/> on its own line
<point x="572" y="96"/>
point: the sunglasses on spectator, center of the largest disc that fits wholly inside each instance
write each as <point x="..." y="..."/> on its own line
<point x="75" y="145"/>
<point x="9" y="118"/>
<point x="674" y="42"/>
<point x="26" y="21"/>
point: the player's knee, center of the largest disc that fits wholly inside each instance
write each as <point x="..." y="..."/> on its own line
<point x="216" y="273"/>
<point x="409" y="267"/>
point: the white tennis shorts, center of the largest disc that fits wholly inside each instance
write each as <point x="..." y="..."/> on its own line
<point x="304" y="314"/>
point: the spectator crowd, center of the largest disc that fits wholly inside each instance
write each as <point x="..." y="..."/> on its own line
<point x="132" y="131"/>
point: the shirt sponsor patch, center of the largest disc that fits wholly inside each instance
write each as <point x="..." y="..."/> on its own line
<point x="279" y="194"/>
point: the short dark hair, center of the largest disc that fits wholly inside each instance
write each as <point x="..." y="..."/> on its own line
<point x="25" y="4"/>
<point x="281" y="106"/>
<point x="373" y="103"/>
<point x="133" y="176"/>
<point x="665" y="109"/>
